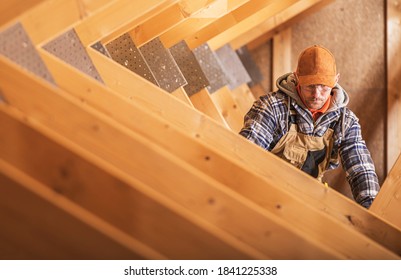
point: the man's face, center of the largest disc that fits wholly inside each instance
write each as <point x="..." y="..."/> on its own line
<point x="315" y="96"/>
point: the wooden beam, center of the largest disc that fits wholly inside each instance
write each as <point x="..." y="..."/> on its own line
<point x="393" y="82"/>
<point x="39" y="223"/>
<point x="150" y="29"/>
<point x="216" y="164"/>
<point x="119" y="17"/>
<point x="244" y="98"/>
<point x="387" y="204"/>
<point x="281" y="55"/>
<point x="204" y="102"/>
<point x="248" y="23"/>
<point x="226" y="22"/>
<point x="42" y="25"/>
<point x="173" y="16"/>
<point x="229" y="108"/>
<point x="82" y="178"/>
<point x="94" y="21"/>
<point x="280" y="21"/>
<point x="195" y="23"/>
<point x="182" y="95"/>
<point x="11" y="9"/>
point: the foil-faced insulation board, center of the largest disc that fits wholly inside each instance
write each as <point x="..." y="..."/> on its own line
<point x="162" y="65"/>
<point x="123" y="51"/>
<point x="189" y="67"/>
<point x="69" y="48"/>
<point x="16" y="45"/>
<point x="210" y="67"/>
<point x="250" y="66"/>
<point x="100" y="48"/>
<point x="235" y="71"/>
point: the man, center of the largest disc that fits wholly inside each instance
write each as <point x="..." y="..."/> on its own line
<point x="306" y="122"/>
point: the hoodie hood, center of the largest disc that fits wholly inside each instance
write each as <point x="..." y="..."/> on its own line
<point x="287" y="84"/>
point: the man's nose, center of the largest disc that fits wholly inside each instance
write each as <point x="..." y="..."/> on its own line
<point x="315" y="92"/>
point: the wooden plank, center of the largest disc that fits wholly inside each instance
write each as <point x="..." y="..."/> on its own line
<point x="212" y="162"/>
<point x="204" y="102"/>
<point x="150" y="29"/>
<point x="281" y="55"/>
<point x="123" y="83"/>
<point x="279" y="21"/>
<point x="225" y="212"/>
<point x="192" y="24"/>
<point x="78" y="176"/>
<point x="248" y="23"/>
<point x="236" y="148"/>
<point x="182" y="95"/>
<point x="118" y="18"/>
<point x="38" y="223"/>
<point x="226" y="22"/>
<point x="88" y="7"/>
<point x="10" y="9"/>
<point x="244" y="98"/>
<point x="393" y="82"/>
<point x="229" y="108"/>
<point x="387" y="204"/>
<point x="171" y="17"/>
<point x="42" y="25"/>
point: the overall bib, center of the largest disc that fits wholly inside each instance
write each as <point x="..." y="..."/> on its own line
<point x="312" y="154"/>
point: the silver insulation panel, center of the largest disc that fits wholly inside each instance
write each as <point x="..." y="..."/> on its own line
<point x="250" y="66"/>
<point x="16" y="45"/>
<point x="210" y="67"/>
<point x="162" y="65"/>
<point x="69" y="48"/>
<point x="123" y="51"/>
<point x="232" y="65"/>
<point x="189" y="67"/>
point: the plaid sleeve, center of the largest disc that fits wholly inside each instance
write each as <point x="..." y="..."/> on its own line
<point x="358" y="164"/>
<point x="260" y="122"/>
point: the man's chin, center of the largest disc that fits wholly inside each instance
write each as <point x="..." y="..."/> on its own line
<point x="314" y="106"/>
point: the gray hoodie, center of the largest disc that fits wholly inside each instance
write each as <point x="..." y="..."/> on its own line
<point x="287" y="84"/>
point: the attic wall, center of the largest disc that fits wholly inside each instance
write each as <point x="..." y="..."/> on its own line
<point x="354" y="32"/>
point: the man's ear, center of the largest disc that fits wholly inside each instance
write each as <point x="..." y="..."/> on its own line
<point x="337" y="77"/>
<point x="296" y="78"/>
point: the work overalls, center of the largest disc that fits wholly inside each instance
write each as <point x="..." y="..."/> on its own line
<point x="312" y="154"/>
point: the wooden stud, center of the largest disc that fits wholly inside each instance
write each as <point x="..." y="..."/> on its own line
<point x="42" y="26"/>
<point x="204" y="102"/>
<point x="171" y="17"/>
<point x="248" y="23"/>
<point x="11" y="9"/>
<point x="393" y="82"/>
<point x="182" y="95"/>
<point x="244" y="98"/>
<point x="197" y="22"/>
<point x="263" y="32"/>
<point x="229" y="108"/>
<point x="281" y="55"/>
<point x="78" y="176"/>
<point x="387" y="204"/>
<point x="118" y="18"/>
<point x="39" y="223"/>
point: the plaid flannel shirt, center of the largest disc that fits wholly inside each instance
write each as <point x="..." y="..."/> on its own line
<point x="267" y="122"/>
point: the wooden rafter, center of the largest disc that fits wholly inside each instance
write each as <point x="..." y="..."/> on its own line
<point x="280" y="21"/>
<point x="244" y="24"/>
